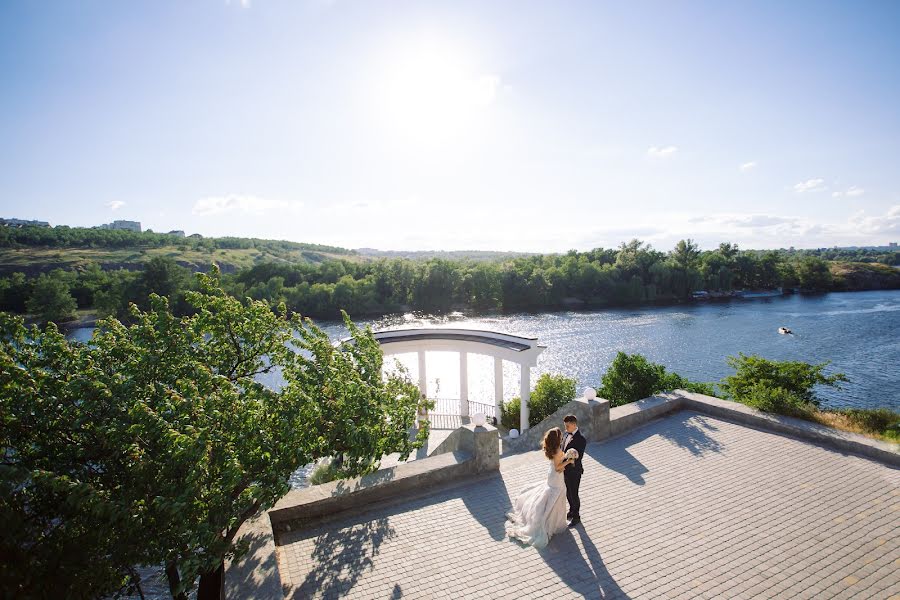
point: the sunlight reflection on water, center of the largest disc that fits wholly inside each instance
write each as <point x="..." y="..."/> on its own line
<point x="856" y="331"/>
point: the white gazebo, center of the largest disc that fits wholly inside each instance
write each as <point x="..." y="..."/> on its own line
<point x="523" y="351"/>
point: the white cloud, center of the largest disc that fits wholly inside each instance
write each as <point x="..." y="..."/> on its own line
<point x="851" y="191"/>
<point x="810" y="185"/>
<point x="662" y="152"/>
<point x="249" y="205"/>
<point x="748" y="166"/>
<point x="115" y="204"/>
<point x="886" y="224"/>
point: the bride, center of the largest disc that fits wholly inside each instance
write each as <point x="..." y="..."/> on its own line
<point x="540" y="509"/>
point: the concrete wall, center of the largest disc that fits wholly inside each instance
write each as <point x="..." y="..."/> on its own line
<point x="593" y="421"/>
<point x="635" y="414"/>
<point x="476" y="452"/>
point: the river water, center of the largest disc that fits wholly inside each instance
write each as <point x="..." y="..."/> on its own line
<point x="856" y="331"/>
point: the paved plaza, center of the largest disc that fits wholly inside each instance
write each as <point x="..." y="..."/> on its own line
<point x="688" y="506"/>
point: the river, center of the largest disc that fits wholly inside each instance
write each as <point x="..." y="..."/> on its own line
<point x="856" y="331"/>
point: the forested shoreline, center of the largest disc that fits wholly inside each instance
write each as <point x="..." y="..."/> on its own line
<point x="634" y="273"/>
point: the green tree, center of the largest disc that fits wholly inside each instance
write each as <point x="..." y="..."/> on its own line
<point x="813" y="273"/>
<point x="776" y="386"/>
<point x="632" y="377"/>
<point x="550" y="392"/>
<point x="686" y="254"/>
<point x="51" y="301"/>
<point x="15" y="291"/>
<point x="155" y="442"/>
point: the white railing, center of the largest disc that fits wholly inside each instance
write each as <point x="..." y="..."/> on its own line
<point x="445" y="414"/>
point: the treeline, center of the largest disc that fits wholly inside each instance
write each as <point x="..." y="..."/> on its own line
<point x="863" y="255"/>
<point x="632" y="274"/>
<point x="63" y="236"/>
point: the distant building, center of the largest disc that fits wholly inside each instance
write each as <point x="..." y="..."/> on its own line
<point x="892" y="245"/>
<point x="176" y="233"/>
<point x="124" y="225"/>
<point x="196" y="236"/>
<point x="23" y="223"/>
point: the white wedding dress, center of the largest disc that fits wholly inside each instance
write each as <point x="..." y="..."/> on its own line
<point x="539" y="511"/>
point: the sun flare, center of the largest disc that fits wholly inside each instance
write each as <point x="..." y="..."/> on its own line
<point x="432" y="91"/>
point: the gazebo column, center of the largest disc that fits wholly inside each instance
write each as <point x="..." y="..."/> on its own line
<point x="525" y="395"/>
<point x="463" y="384"/>
<point x="498" y="385"/>
<point x="423" y="377"/>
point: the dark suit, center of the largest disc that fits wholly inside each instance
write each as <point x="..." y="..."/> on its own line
<point x="572" y="474"/>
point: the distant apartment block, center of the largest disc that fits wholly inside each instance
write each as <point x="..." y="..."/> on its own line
<point x="892" y="244"/>
<point x="125" y="225"/>
<point x="176" y="233"/>
<point x="23" y="223"/>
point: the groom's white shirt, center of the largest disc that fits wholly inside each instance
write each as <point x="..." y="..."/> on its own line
<point x="567" y="437"/>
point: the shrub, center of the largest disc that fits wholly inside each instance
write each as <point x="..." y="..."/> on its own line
<point x="550" y="393"/>
<point x="797" y="378"/>
<point x="324" y="472"/>
<point x="881" y="421"/>
<point x="778" y="400"/>
<point x="632" y="377"/>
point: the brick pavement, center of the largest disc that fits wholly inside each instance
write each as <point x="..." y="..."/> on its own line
<point x="688" y="506"/>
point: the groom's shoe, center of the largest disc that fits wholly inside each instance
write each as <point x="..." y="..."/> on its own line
<point x="574" y="522"/>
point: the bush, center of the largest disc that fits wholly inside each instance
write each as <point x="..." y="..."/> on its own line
<point x="881" y="421"/>
<point x="794" y="377"/>
<point x="777" y="400"/>
<point x="324" y="472"/>
<point x="632" y="377"/>
<point x="550" y="393"/>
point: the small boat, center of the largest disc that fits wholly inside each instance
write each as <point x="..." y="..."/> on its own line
<point x="785" y="331"/>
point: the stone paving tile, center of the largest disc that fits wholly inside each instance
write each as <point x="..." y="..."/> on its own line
<point x="688" y="506"/>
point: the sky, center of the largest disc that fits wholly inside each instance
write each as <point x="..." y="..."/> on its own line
<point x="523" y="126"/>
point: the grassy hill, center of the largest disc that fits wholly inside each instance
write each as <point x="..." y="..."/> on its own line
<point x="34" y="250"/>
<point x="34" y="260"/>
<point x="854" y="276"/>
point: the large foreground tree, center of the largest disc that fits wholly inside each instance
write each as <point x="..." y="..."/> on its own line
<point x="154" y="443"/>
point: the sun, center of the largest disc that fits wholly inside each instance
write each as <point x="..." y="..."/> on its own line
<point x="433" y="91"/>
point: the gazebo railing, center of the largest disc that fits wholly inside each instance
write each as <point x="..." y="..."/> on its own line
<point x="445" y="414"/>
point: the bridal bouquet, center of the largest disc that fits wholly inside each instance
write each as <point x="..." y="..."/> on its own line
<point x="572" y="453"/>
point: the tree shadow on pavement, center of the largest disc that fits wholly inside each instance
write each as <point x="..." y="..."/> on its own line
<point x="691" y="432"/>
<point x="617" y="458"/>
<point x="584" y="572"/>
<point x="688" y="431"/>
<point x="341" y="556"/>
<point x="488" y="502"/>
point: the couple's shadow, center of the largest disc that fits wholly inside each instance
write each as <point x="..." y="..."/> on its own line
<point x="585" y="572"/>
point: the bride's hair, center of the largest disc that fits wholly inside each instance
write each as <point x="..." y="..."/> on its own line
<point x="551" y="442"/>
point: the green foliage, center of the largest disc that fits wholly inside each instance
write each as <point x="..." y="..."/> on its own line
<point x="511" y="412"/>
<point x="634" y="273"/>
<point x="51" y="301"/>
<point x="154" y="443"/>
<point x="324" y="472"/>
<point x="763" y="396"/>
<point x="813" y="274"/>
<point x="82" y="237"/>
<point x="632" y="377"/>
<point x="549" y="394"/>
<point x="796" y="379"/>
<point x="882" y="421"/>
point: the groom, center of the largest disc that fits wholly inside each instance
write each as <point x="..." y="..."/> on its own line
<point x="572" y="438"/>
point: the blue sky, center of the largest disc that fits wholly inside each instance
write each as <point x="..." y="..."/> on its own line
<point x="534" y="126"/>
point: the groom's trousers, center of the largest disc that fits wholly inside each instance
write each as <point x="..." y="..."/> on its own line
<point x="573" y="480"/>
